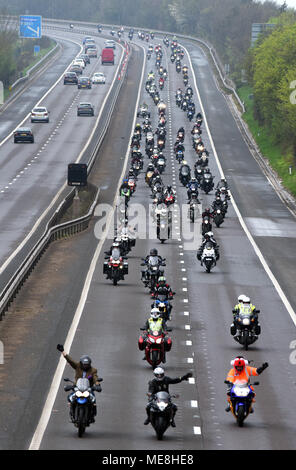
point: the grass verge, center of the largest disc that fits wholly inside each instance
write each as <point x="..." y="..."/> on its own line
<point x="279" y="157"/>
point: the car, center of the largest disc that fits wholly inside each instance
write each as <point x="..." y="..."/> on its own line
<point x="98" y="77"/>
<point x="79" y="62"/>
<point x="93" y="52"/>
<point x="84" y="82"/>
<point x="110" y="44"/>
<point x="23" y="134"/>
<point x="70" y="78"/>
<point x="85" y="109"/>
<point x="76" y="68"/>
<point x="39" y="114"/>
<point x="85" y="57"/>
<point x="107" y="56"/>
<point x="85" y="39"/>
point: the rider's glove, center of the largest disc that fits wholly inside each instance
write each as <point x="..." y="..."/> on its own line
<point x="98" y="388"/>
<point x="261" y="369"/>
<point x="186" y="377"/>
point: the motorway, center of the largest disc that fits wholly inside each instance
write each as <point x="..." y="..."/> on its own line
<point x="107" y="321"/>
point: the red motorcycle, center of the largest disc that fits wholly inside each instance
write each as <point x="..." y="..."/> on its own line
<point x="156" y="346"/>
<point x="161" y="83"/>
<point x="169" y="200"/>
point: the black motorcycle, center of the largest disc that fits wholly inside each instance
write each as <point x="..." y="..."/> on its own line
<point x="184" y="175"/>
<point x="218" y="217"/>
<point x="245" y="333"/>
<point x="82" y="402"/>
<point x="207" y="183"/>
<point x="161" y="412"/>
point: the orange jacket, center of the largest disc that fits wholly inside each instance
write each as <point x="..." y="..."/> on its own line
<point x="248" y="371"/>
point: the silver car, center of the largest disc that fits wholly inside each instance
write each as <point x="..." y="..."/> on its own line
<point x="39" y="114"/>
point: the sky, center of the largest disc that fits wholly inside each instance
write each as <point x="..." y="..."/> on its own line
<point x="290" y="3"/>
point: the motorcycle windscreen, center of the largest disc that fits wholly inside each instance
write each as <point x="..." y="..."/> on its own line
<point x="83" y="385"/>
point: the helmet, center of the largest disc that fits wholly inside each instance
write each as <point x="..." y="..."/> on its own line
<point x="153" y="252"/>
<point x="210" y="234"/>
<point x="162" y="280"/>
<point x="159" y="373"/>
<point x="239" y="363"/>
<point x="241" y="298"/>
<point x="155" y="313"/>
<point x="246" y="300"/>
<point x="85" y="362"/>
<point x="193" y="180"/>
<point x="169" y="188"/>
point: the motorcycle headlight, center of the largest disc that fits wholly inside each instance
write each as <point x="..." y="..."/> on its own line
<point x="246" y="321"/>
<point x="218" y="211"/>
<point x="85" y="394"/>
<point x="162" y="405"/>
<point x="78" y="394"/>
<point x="159" y="340"/>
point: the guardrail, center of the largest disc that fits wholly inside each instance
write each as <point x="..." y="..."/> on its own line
<point x="29" y="71"/>
<point x="55" y="232"/>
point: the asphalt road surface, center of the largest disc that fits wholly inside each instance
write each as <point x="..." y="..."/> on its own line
<point x="108" y="328"/>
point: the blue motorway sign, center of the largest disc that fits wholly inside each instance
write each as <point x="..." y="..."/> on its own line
<point x="30" y="26"/>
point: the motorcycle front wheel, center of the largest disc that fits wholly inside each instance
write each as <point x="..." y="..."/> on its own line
<point x="240" y="416"/>
<point x="81" y="421"/>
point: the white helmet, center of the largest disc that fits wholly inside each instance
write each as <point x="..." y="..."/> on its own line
<point x="155" y="313"/>
<point x="159" y="373"/>
<point x="241" y="298"/>
<point x="246" y="300"/>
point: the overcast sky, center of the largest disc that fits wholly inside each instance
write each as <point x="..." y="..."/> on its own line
<point x="290" y="3"/>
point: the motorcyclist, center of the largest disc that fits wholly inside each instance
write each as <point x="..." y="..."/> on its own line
<point x="218" y="204"/>
<point x="155" y="323"/>
<point x="241" y="371"/>
<point x="125" y="186"/>
<point x="192" y="186"/>
<point x="208" y="237"/>
<point x="245" y="306"/>
<point x="83" y="369"/>
<point x="162" y="284"/>
<point x="161" y="383"/>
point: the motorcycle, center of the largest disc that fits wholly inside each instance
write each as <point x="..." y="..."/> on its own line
<point x="241" y="395"/>
<point x="153" y="272"/>
<point x="161" y="412"/>
<point x="169" y="200"/>
<point x="190" y="114"/>
<point x="180" y="156"/>
<point x="184" y="175"/>
<point x="207" y="183"/>
<point x="115" y="268"/>
<point x="164" y="226"/>
<point x="245" y="333"/>
<point x="155" y="347"/>
<point x="82" y="401"/>
<point x="208" y="257"/>
<point x="193" y="211"/>
<point x="160" y="164"/>
<point x="218" y="217"/>
<point x="206" y="225"/>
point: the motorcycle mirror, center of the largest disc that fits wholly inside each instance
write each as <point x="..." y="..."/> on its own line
<point x="67" y="380"/>
<point x="142" y="329"/>
<point x="100" y="379"/>
<point x="169" y="329"/>
<point x="67" y="388"/>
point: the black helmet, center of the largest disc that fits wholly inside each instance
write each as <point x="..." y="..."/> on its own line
<point x="85" y="362"/>
<point x="153" y="252"/>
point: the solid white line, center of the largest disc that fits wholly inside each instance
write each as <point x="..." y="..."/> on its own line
<point x="241" y="220"/>
<point x="51" y="397"/>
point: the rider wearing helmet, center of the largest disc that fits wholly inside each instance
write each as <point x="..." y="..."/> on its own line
<point x="241" y="371"/>
<point x="83" y="369"/>
<point x="244" y="304"/>
<point x="161" y="383"/>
